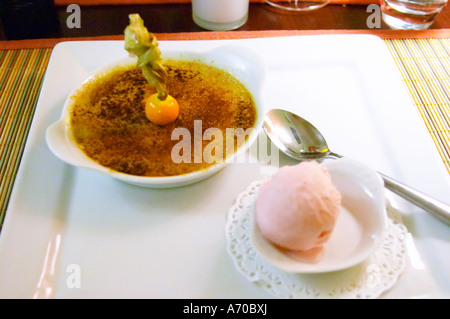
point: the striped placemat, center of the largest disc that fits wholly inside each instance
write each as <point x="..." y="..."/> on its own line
<point x="423" y="63"/>
<point x="21" y="74"/>
<point x="425" y="68"/>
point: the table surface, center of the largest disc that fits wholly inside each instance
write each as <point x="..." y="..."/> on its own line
<point x="423" y="60"/>
<point x="168" y="18"/>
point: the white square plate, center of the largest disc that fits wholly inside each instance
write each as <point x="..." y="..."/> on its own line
<point x="73" y="233"/>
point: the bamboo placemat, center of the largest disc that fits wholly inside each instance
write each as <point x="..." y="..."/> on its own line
<point x="424" y="65"/>
<point x="21" y="74"/>
<point x="425" y="68"/>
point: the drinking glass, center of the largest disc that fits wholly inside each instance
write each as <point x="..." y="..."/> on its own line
<point x="220" y="14"/>
<point x="298" y="5"/>
<point x="411" y="14"/>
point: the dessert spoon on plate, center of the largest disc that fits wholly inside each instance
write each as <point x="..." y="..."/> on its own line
<point x="300" y="140"/>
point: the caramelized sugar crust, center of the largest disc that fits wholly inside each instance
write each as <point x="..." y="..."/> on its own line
<point x="108" y="121"/>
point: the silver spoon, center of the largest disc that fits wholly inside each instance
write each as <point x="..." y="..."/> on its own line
<point x="299" y="139"/>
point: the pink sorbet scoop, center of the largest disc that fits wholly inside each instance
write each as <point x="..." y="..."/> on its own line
<point x="297" y="208"/>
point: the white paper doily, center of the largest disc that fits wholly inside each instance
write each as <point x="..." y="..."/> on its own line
<point x="369" y="279"/>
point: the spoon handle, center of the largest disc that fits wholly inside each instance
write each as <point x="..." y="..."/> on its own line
<point x="433" y="206"/>
<point x="437" y="208"/>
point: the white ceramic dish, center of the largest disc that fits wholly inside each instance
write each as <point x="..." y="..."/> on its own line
<point x="243" y="65"/>
<point x="359" y="228"/>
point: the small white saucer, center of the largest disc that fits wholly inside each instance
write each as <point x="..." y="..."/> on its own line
<point x="363" y="258"/>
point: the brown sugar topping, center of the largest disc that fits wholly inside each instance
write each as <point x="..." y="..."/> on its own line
<point x="109" y="123"/>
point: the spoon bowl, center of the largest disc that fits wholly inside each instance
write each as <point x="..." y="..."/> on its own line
<point x="295" y="136"/>
<point x="299" y="139"/>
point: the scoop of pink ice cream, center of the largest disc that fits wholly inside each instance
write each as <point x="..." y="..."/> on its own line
<point x="297" y="209"/>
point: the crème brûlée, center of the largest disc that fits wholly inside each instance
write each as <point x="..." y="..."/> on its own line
<point x="109" y="123"/>
<point x="296" y="210"/>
